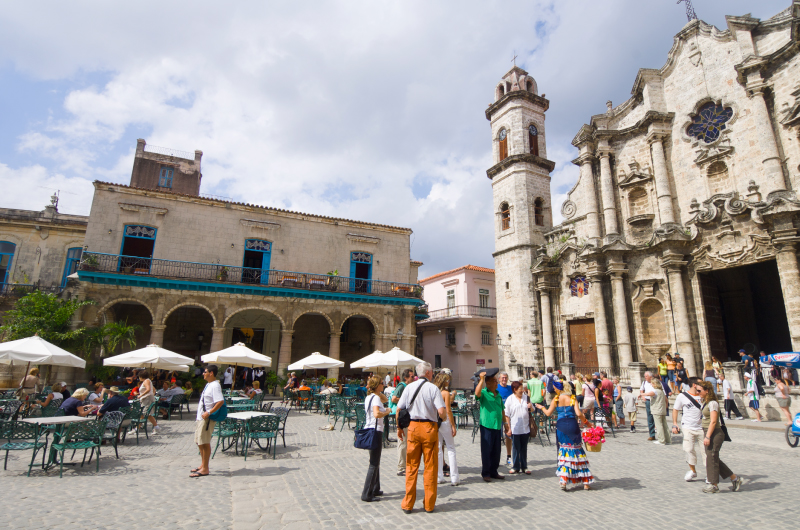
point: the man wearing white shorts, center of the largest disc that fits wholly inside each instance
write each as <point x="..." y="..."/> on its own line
<point x="210" y="401"/>
<point x="691" y="424"/>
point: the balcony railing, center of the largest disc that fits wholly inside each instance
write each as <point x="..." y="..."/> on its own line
<point x="463" y="311"/>
<point x="18" y="290"/>
<point x="210" y="272"/>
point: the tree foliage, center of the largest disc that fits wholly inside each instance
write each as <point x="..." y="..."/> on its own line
<point x="47" y="315"/>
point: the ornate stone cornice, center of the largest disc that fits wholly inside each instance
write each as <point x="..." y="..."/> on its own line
<point x="517" y="94"/>
<point x="777" y="202"/>
<point x="262" y="225"/>
<point x="522" y="158"/>
<point x="130" y="207"/>
<point x="585" y="158"/>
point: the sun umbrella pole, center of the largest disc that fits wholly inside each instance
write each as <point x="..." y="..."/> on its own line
<point x="25" y="375"/>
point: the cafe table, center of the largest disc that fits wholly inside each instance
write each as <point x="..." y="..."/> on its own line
<point x="244" y="416"/>
<point x="59" y="422"/>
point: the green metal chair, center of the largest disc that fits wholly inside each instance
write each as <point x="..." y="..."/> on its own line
<point x="283" y="413"/>
<point x="361" y="417"/>
<point x="261" y="428"/>
<point x="141" y="420"/>
<point x="10" y="410"/>
<point x="476" y="422"/>
<point x="23" y="436"/>
<point x="80" y="435"/>
<point x="225" y="430"/>
<point x="113" y="424"/>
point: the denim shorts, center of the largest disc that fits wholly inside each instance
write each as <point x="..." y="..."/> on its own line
<point x="671" y="375"/>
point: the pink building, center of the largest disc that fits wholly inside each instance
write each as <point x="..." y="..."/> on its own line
<point x="460" y="330"/>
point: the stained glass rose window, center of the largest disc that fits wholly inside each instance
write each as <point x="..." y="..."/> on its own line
<point x="709" y="122"/>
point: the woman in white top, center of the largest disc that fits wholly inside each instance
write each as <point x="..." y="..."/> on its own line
<point x="54" y="394"/>
<point x="375" y="412"/>
<point x="589" y="396"/>
<point x="518" y="426"/>
<point x="447" y="431"/>
<point x="713" y="441"/>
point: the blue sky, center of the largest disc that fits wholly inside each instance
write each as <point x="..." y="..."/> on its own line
<point x="358" y="109"/>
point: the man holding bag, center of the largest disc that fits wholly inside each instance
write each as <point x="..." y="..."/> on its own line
<point x="211" y="401"/>
<point x="425" y="405"/>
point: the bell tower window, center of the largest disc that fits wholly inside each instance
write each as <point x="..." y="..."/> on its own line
<point x="505" y="216"/>
<point x="533" y="137"/>
<point x="538" y="211"/>
<point x="503" y="137"/>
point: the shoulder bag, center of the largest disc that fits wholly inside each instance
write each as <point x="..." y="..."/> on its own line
<point x="533" y="425"/>
<point x="218" y="415"/>
<point x="403" y="415"/>
<point x="367" y="438"/>
<point x="722" y="426"/>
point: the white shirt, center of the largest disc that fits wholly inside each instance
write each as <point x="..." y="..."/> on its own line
<point x="647" y="387"/>
<point x="227" y="377"/>
<point x="752" y="389"/>
<point x="428" y="401"/>
<point x="58" y="395"/>
<point x="518" y="415"/>
<point x="373" y="422"/>
<point x="692" y="416"/>
<point x="92" y="397"/>
<point x="726" y="390"/>
<point x="212" y="394"/>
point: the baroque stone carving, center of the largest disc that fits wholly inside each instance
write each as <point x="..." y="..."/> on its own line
<point x="568" y="209"/>
<point x="730" y="202"/>
<point x="755" y="248"/>
<point x="637" y="175"/>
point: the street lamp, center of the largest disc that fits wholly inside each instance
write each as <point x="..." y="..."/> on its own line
<point x="399" y="336"/>
<point x="200" y="337"/>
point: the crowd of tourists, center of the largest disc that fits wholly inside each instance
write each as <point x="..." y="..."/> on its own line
<point x="423" y="406"/>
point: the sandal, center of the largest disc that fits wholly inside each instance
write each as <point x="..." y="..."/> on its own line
<point x="563" y="486"/>
<point x="195" y="470"/>
<point x="513" y="472"/>
<point x="198" y="475"/>
<point x="527" y="472"/>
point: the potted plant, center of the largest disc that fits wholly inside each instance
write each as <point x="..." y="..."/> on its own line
<point x="594" y="438"/>
<point x="331" y="281"/>
<point x="90" y="263"/>
<point x="222" y="275"/>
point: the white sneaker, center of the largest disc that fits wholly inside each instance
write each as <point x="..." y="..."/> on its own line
<point x="690" y="476"/>
<point x="658" y="443"/>
<point x="740" y="418"/>
<point x="443" y="480"/>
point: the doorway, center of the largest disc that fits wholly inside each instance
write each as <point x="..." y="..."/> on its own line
<point x="257" y="255"/>
<point x="745" y="310"/>
<point x="360" y="272"/>
<point x="582" y="344"/>
<point x="138" y="243"/>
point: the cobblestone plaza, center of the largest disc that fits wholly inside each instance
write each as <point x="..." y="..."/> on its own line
<point x="315" y="482"/>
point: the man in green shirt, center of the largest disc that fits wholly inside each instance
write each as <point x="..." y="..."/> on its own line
<point x="491" y="423"/>
<point x="536" y="389"/>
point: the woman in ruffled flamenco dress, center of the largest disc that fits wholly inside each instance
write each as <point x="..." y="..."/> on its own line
<point x="573" y="466"/>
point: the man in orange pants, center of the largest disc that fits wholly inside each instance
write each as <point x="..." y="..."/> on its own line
<point x="424" y="402"/>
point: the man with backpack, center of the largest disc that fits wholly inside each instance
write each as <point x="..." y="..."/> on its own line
<point x="211" y="400"/>
<point x="548" y="380"/>
<point x="691" y="423"/>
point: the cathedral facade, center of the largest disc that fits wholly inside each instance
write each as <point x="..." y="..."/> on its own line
<point x="681" y="234"/>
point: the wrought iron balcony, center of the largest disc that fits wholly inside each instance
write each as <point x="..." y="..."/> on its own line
<point x="229" y="274"/>
<point x="462" y="311"/>
<point x="18" y="290"/>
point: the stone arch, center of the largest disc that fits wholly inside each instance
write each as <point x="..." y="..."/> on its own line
<point x="538" y="211"/>
<point x="315" y="312"/>
<point x="109" y="305"/>
<point x="500" y="90"/>
<point x="254" y="308"/>
<point x="368" y="317"/>
<point x="504" y="212"/>
<point x="184" y="304"/>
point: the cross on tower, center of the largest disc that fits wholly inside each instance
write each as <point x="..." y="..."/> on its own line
<point x="690" y="14"/>
<point x="514" y="60"/>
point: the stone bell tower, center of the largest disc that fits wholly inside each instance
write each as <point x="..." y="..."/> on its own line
<point x="522" y="215"/>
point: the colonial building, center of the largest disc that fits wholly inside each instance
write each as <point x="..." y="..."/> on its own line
<point x="681" y="233"/>
<point x="38" y="249"/>
<point x="199" y="274"/>
<point x="460" y="329"/>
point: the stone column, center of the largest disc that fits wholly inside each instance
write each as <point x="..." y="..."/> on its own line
<point x="217" y="336"/>
<point x="765" y="136"/>
<point x="333" y="353"/>
<point x="636" y="374"/>
<point x="590" y="197"/>
<point x="600" y="321"/>
<point x="620" y="305"/>
<point x="734" y="374"/>
<point x="790" y="285"/>
<point x="547" y="329"/>
<point x="663" y="193"/>
<point x="567" y="369"/>
<point x="157" y="334"/>
<point x="285" y="353"/>
<point x="680" y="311"/>
<point x="607" y="190"/>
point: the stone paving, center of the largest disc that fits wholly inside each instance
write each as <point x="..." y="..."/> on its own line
<point x="316" y="482"/>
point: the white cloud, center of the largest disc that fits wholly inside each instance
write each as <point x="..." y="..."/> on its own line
<point x="333" y="108"/>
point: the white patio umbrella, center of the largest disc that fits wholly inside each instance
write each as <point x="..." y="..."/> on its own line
<point x="36" y="350"/>
<point x="397" y="358"/>
<point x="316" y="360"/>
<point x="152" y="356"/>
<point x="370" y="361"/>
<point x="239" y="355"/>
